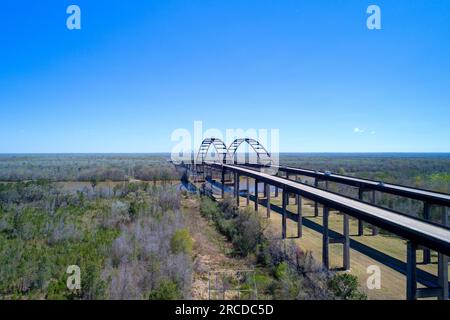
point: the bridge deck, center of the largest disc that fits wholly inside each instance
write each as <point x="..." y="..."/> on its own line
<point x="431" y="197"/>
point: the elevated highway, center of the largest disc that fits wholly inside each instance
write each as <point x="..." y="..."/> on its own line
<point x="418" y="232"/>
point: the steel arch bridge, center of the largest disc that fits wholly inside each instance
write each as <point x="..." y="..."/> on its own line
<point x="219" y="146"/>
<point x="263" y="156"/>
<point x="228" y="155"/>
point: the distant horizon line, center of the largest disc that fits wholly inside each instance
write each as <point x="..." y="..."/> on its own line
<point x="168" y="153"/>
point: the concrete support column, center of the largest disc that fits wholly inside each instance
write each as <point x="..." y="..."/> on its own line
<point x="316" y="205"/>
<point x="325" y="239"/>
<point x="223" y="183"/>
<point x="346" y="254"/>
<point x="267" y="189"/>
<point x="248" y="191"/>
<point x="283" y="222"/>
<point x="375" y="230"/>
<point x="443" y="276"/>
<point x="444" y="218"/>
<point x="360" y="222"/>
<point x="236" y="188"/>
<point x="426" y="251"/>
<point x="287" y="197"/>
<point x="256" y="195"/>
<point x="411" y="271"/>
<point x="300" y="216"/>
<point x="296" y="196"/>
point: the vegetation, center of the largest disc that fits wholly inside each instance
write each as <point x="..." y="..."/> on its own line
<point x="89" y="168"/>
<point x="181" y="241"/>
<point x="284" y="272"/>
<point x="127" y="245"/>
<point x="345" y="286"/>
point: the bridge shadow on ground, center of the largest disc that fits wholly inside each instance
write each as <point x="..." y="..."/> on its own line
<point x="425" y="278"/>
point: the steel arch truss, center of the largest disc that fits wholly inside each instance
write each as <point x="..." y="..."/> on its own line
<point x="219" y="146"/>
<point x="263" y="156"/>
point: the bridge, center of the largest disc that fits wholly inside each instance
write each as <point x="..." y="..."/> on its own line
<point x="420" y="232"/>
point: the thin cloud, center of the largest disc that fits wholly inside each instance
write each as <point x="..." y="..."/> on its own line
<point x="358" y="130"/>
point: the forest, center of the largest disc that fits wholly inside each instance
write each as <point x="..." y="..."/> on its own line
<point x="132" y="245"/>
<point x="133" y="239"/>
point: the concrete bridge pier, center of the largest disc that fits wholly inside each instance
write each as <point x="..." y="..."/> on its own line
<point x="299" y="216"/>
<point x="344" y="240"/>
<point x="248" y="190"/>
<point x="375" y="230"/>
<point x="267" y="191"/>
<point x="360" y="222"/>
<point x="316" y="205"/>
<point x="223" y="183"/>
<point x="283" y="222"/>
<point x="236" y="188"/>
<point x="443" y="276"/>
<point x="256" y="195"/>
<point x="445" y="216"/>
<point x="411" y="271"/>
<point x="426" y="251"/>
<point x="296" y="196"/>
<point x="346" y="255"/>
<point x="412" y="292"/>
<point x="325" y="239"/>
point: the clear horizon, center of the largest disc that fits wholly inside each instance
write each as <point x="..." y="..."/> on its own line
<point x="168" y="153"/>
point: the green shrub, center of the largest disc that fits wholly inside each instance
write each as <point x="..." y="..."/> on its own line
<point x="345" y="286"/>
<point x="167" y="290"/>
<point x="280" y="271"/>
<point x="264" y="258"/>
<point x="181" y="241"/>
<point x="248" y="232"/>
<point x="209" y="209"/>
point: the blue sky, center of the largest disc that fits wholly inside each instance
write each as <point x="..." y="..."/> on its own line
<point x="135" y="73"/>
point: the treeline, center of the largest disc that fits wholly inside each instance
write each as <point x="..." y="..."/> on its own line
<point x="283" y="270"/>
<point x="86" y="168"/>
<point x="429" y="171"/>
<point x="131" y="245"/>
